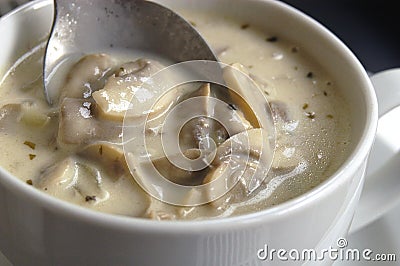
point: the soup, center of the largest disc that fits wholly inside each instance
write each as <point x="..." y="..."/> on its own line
<point x="73" y="150"/>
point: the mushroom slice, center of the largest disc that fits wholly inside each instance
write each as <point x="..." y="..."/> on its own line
<point x="141" y="68"/>
<point x="87" y="76"/>
<point x="241" y="159"/>
<point x="78" y="125"/>
<point x="109" y="156"/>
<point x="177" y="175"/>
<point x="239" y="82"/>
<point x="194" y="134"/>
<point x="223" y="178"/>
<point x="250" y="143"/>
<point x="233" y="181"/>
<point x="129" y="94"/>
<point x="70" y="179"/>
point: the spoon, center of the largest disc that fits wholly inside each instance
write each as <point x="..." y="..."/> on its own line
<point x="92" y="26"/>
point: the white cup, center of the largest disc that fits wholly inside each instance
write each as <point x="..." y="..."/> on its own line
<point x="37" y="229"/>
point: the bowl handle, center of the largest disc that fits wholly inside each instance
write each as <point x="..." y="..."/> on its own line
<point x="381" y="190"/>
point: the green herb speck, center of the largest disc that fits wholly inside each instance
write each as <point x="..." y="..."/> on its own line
<point x="310" y="115"/>
<point x="30" y="144"/>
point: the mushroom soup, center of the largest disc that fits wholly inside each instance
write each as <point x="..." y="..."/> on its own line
<point x="73" y="149"/>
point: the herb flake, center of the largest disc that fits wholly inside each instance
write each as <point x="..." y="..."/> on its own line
<point x="310" y="115"/>
<point x="90" y="198"/>
<point x="30" y="144"/>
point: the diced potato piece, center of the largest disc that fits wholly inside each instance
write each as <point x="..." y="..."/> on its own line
<point x="27" y="112"/>
<point x="32" y="115"/>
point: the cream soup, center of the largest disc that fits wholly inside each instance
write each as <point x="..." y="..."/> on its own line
<point x="73" y="150"/>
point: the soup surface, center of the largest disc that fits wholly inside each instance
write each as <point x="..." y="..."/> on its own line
<point x="73" y="150"/>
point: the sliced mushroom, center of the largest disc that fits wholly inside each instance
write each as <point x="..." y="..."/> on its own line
<point x="87" y="76"/>
<point x="242" y="160"/>
<point x="125" y="93"/>
<point x="141" y="68"/>
<point x="195" y="133"/>
<point x="233" y="182"/>
<point x="249" y="143"/>
<point x="78" y="125"/>
<point x="237" y="78"/>
<point x="221" y="180"/>
<point x="109" y="156"/>
<point x="177" y="175"/>
<point x="71" y="178"/>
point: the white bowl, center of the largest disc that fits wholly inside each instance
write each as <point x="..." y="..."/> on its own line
<point x="37" y="229"/>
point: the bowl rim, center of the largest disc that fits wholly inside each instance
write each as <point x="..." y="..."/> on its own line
<point x="348" y="167"/>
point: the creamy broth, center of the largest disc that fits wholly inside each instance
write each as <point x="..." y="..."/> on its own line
<point x="312" y="129"/>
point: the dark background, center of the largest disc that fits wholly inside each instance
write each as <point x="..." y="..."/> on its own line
<point x="371" y="29"/>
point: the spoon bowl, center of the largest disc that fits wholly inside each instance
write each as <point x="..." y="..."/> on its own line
<point x="94" y="26"/>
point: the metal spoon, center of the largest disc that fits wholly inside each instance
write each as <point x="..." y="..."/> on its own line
<point x="89" y="26"/>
